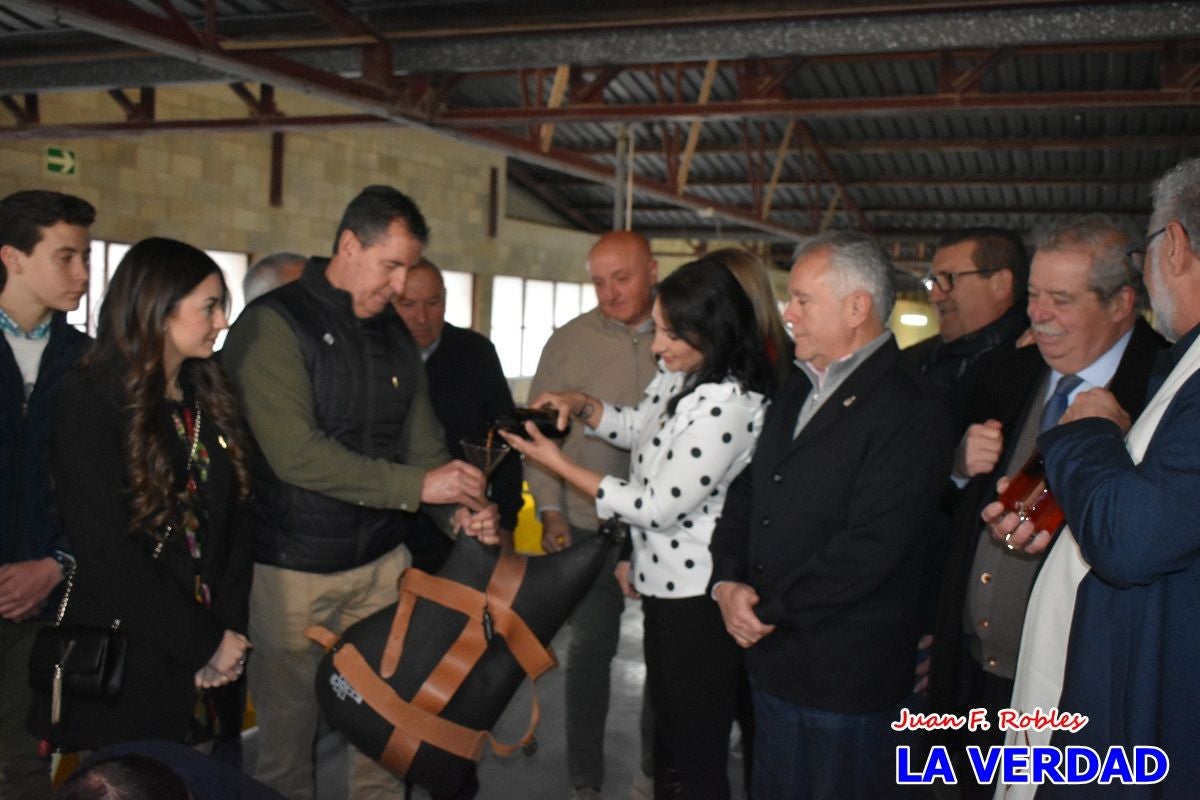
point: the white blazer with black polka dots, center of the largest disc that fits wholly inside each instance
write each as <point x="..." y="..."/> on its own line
<point x="679" y="470"/>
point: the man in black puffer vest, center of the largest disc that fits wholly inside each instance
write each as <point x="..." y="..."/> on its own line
<point x="334" y="391"/>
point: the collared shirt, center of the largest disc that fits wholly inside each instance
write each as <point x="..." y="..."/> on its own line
<point x="826" y="382"/>
<point x="27" y="347"/>
<point x="10" y="326"/>
<point x="426" y="352"/>
<point x="994" y="613"/>
<point x="1098" y="374"/>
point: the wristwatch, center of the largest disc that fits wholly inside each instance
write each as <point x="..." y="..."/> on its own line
<point x="66" y="563"/>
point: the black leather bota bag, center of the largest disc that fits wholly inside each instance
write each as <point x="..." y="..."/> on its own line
<point x="417" y="685"/>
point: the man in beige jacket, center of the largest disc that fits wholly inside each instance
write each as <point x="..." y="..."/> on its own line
<point x="604" y="352"/>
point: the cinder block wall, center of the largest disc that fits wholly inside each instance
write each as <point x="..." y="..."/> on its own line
<point x="212" y="190"/>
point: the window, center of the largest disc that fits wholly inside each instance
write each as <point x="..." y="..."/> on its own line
<point x="106" y="256"/>
<point x="524" y="314"/>
<point x="460" y="291"/>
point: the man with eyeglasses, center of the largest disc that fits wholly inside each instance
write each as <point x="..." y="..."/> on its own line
<point x="976" y="284"/>
<point x="1126" y="583"/>
<point x="1083" y="305"/>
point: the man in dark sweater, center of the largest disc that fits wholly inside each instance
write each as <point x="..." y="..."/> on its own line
<point x="469" y="393"/>
<point x="976" y="284"/>
<point x="44" y="250"/>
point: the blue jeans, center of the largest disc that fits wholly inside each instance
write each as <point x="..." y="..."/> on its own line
<point x="805" y="753"/>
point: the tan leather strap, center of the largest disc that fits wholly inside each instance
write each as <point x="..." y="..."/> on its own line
<point x="411" y="725"/>
<point x="506" y="578"/>
<point x="418" y="721"/>
<point x="446" y="678"/>
<point x="322" y="636"/>
<point x="535" y="716"/>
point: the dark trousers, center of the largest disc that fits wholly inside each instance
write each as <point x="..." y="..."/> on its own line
<point x="692" y="668"/>
<point x="24" y="775"/>
<point x="984" y="690"/>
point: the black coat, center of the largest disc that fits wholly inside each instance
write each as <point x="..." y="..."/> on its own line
<point x="29" y="526"/>
<point x="170" y="635"/>
<point x="469" y="393"/>
<point x="1006" y="392"/>
<point x="830" y="529"/>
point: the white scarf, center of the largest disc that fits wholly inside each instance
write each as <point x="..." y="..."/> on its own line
<point x="1043" y="653"/>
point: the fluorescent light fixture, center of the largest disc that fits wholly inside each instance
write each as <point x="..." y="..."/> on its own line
<point x="915" y="320"/>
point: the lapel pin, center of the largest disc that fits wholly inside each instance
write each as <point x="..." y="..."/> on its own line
<point x="328" y="338"/>
<point x="849" y="401"/>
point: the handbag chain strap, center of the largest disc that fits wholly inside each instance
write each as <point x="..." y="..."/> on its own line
<point x="69" y="574"/>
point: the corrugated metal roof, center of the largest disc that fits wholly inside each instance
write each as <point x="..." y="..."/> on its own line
<point x="919" y="169"/>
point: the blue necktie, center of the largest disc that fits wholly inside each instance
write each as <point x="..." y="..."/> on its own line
<point x="1056" y="406"/>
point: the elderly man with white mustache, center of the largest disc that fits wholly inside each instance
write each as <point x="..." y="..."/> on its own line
<point x="1084" y="308"/>
<point x="1125" y="582"/>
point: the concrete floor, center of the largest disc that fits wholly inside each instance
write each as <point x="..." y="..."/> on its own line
<point x="542" y="776"/>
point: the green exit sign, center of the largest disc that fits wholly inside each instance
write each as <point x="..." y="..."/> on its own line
<point x="60" y="161"/>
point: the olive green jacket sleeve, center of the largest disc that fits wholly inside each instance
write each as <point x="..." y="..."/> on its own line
<point x="265" y="363"/>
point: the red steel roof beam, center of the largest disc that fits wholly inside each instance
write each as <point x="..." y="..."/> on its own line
<point x="816" y="107"/>
<point x="376" y="58"/>
<point x="123" y="22"/>
<point x="579" y="165"/>
<point x="26" y="114"/>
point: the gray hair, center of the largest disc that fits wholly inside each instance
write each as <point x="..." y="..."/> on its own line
<point x="1177" y="196"/>
<point x="859" y="263"/>
<point x="1106" y="240"/>
<point x="264" y="275"/>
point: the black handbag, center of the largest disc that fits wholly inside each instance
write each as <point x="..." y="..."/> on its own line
<point x="76" y="660"/>
<point x="417" y="685"/>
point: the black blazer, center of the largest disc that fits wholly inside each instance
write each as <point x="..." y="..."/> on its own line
<point x="830" y="529"/>
<point x="1006" y="392"/>
<point x="170" y="635"/>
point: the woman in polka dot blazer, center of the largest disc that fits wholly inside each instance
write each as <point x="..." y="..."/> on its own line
<point x="689" y="437"/>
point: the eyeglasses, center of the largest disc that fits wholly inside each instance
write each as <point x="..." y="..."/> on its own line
<point x="945" y="280"/>
<point x="1135" y="254"/>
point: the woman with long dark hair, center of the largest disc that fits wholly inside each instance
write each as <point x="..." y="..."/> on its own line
<point x="149" y="458"/>
<point x="692" y="433"/>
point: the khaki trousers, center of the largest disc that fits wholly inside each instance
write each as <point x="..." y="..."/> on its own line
<point x="283" y="667"/>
